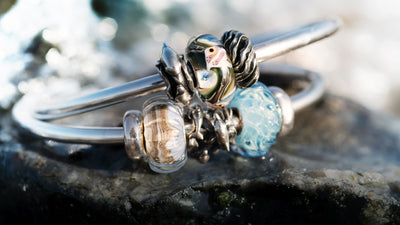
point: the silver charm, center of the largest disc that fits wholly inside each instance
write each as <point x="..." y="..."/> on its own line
<point x="163" y="132"/>
<point x="133" y="134"/>
<point x="243" y="58"/>
<point x="218" y="129"/>
<point x="221" y="132"/>
<point x="197" y="116"/>
<point x="213" y="68"/>
<point x="177" y="76"/>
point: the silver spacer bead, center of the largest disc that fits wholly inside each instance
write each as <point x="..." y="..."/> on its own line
<point x="133" y="134"/>
<point x="286" y="109"/>
<point x="243" y="57"/>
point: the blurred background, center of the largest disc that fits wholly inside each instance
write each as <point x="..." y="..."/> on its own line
<point x="48" y="46"/>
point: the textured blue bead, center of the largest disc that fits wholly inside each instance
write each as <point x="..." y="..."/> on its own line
<point x="261" y="120"/>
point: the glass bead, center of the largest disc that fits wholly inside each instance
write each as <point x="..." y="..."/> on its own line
<point x="261" y="120"/>
<point x="212" y="69"/>
<point x="164" y="134"/>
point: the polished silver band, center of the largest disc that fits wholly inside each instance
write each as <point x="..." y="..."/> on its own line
<point x="37" y="121"/>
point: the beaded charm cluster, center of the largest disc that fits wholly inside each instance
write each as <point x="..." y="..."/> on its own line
<point x="215" y="102"/>
<point x="213" y="68"/>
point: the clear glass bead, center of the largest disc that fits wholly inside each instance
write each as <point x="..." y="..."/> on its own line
<point x="164" y="134"/>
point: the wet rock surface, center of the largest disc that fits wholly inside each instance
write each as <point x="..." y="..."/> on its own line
<point x="340" y="165"/>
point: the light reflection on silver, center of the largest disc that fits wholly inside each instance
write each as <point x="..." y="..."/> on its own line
<point x="285" y="109"/>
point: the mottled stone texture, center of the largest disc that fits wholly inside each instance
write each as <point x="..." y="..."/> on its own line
<point x="340" y="165"/>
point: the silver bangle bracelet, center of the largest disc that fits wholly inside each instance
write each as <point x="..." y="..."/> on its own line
<point x="213" y="100"/>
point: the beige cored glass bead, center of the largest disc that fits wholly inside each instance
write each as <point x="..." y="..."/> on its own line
<point x="164" y="134"/>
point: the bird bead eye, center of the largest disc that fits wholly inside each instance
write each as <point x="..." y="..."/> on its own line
<point x="211" y="51"/>
<point x="214" y="57"/>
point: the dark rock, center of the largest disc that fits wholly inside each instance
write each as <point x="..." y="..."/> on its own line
<point x="340" y="165"/>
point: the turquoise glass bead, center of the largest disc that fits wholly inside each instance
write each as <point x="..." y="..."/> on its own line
<point x="261" y="120"/>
